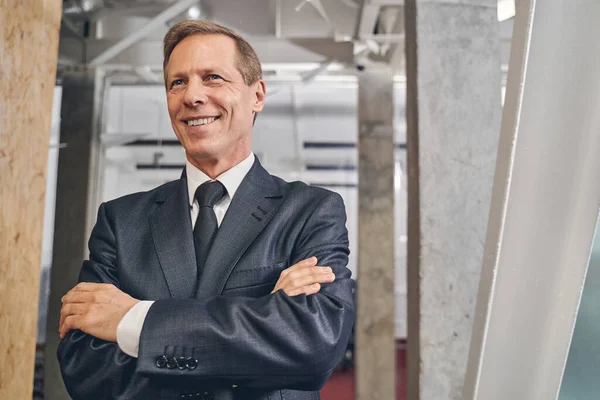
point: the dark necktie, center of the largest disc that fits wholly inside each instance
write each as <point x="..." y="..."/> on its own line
<point x="207" y="195"/>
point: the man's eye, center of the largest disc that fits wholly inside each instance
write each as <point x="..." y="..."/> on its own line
<point x="213" y="77"/>
<point x="177" y="82"/>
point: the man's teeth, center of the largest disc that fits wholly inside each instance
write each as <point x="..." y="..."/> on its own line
<point x="201" y="121"/>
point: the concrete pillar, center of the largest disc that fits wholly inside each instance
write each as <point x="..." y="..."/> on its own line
<point x="28" y="55"/>
<point x="453" y="117"/>
<point x="375" y="338"/>
<point x="76" y="202"/>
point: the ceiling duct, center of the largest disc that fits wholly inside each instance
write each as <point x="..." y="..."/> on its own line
<point x="75" y="7"/>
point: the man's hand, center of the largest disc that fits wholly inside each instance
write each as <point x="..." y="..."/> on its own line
<point x="304" y="277"/>
<point x="94" y="308"/>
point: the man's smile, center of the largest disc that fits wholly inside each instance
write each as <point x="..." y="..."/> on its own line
<point x="200" y="121"/>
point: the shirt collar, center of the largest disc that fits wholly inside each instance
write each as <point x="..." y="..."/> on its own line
<point x="231" y="179"/>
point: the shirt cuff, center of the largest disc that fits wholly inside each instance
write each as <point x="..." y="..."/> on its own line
<point x="129" y="329"/>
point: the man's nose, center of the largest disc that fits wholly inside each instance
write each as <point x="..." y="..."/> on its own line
<point x="195" y="94"/>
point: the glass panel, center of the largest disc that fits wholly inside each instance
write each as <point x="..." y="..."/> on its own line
<point x="581" y="378"/>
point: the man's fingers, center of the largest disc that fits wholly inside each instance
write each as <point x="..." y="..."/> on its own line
<point x="304" y="277"/>
<point x="93" y="287"/>
<point x="315" y="272"/>
<point x="309" y="262"/>
<point x="74" y="296"/>
<point x="72" y="309"/>
<point x="312" y="278"/>
<point x="70" y="323"/>
<point x="312" y="289"/>
<point x="307" y="290"/>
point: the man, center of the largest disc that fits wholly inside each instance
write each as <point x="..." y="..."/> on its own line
<point x="225" y="259"/>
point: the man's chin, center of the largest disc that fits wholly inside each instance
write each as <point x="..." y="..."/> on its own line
<point x="201" y="154"/>
<point x="199" y="146"/>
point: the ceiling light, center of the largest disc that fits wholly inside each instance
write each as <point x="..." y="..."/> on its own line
<point x="506" y="9"/>
<point x="194" y="12"/>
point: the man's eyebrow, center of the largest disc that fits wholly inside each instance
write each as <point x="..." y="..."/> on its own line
<point x="210" y="70"/>
<point x="216" y="70"/>
<point x="171" y="76"/>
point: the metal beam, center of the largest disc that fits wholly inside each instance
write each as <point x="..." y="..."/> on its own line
<point x="269" y="50"/>
<point x="318" y="6"/>
<point x="366" y="20"/>
<point x="383" y="3"/>
<point x="170" y="12"/>
<point x="386" y="38"/>
<point x="148" y="75"/>
<point x="71" y="28"/>
<point x="545" y="204"/>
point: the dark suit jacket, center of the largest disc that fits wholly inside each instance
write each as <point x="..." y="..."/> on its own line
<point x="246" y="342"/>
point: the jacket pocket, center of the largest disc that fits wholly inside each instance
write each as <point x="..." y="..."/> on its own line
<point x="244" y="278"/>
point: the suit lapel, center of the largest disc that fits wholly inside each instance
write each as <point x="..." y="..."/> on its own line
<point x="171" y="228"/>
<point x="255" y="202"/>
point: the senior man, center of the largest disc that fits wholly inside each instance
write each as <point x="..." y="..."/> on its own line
<point x="208" y="287"/>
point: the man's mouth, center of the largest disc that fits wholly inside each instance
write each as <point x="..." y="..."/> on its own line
<point x="201" y="121"/>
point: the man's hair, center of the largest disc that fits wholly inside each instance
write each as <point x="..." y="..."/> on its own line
<point x="247" y="61"/>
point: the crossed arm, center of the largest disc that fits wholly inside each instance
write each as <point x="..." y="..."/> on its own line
<point x="291" y="338"/>
<point x="97" y="308"/>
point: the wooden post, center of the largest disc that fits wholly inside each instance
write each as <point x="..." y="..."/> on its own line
<point x="29" y="34"/>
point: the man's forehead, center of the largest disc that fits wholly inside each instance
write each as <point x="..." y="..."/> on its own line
<point x="213" y="43"/>
<point x="205" y="51"/>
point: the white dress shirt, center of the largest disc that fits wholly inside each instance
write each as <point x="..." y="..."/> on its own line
<point x="130" y="326"/>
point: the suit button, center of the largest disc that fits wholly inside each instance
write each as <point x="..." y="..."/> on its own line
<point x="161" y="361"/>
<point x="171" y="362"/>
<point x="191" y="363"/>
<point x="181" y="363"/>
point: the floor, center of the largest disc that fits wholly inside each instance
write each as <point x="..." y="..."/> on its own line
<point x="341" y="384"/>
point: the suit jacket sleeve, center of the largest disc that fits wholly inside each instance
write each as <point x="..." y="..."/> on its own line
<point x="275" y="341"/>
<point x="93" y="368"/>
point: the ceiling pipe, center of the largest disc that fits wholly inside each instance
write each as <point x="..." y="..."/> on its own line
<point x="77" y="7"/>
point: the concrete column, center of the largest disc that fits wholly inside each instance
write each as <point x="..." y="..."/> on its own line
<point x="453" y="117"/>
<point x="76" y="202"/>
<point x="28" y="55"/>
<point x="375" y="339"/>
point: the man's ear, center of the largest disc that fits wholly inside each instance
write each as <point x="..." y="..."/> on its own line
<point x="260" y="92"/>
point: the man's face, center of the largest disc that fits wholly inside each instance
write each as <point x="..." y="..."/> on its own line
<point x="210" y="105"/>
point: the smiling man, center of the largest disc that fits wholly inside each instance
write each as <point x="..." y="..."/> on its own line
<point x="208" y="287"/>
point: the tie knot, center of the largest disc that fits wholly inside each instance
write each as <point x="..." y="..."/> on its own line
<point x="209" y="193"/>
